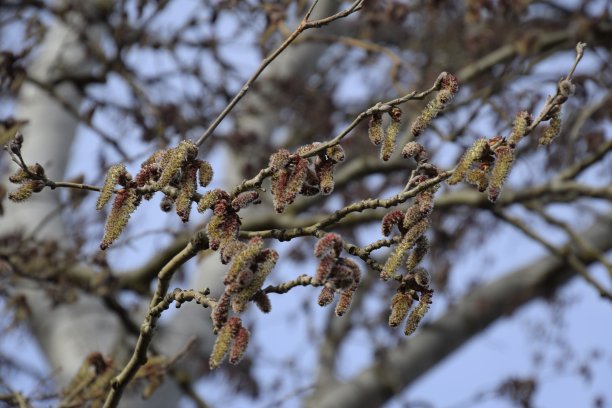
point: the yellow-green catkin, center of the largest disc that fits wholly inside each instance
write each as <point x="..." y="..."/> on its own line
<point x="470" y="156"/>
<point x="504" y="157"/>
<point x="335" y="153"/>
<point x="185" y="193"/>
<point x="417" y="314"/>
<point x="375" y="129"/>
<point x="478" y="177"/>
<point x="222" y="345"/>
<point x="519" y="128"/>
<point x="552" y="131"/>
<point x="422" y="276"/>
<point x="112" y="177"/>
<point x="419" y="252"/>
<point x="19" y="176"/>
<point x="124" y="205"/>
<point x="388" y="144"/>
<point x="175" y="159"/>
<point x="24" y="191"/>
<point x="407" y="242"/>
<point x="244" y="258"/>
<point x="400" y="305"/>
<point x="449" y="88"/>
<point x="210" y="198"/>
<point x="239" y="301"/>
<point x="325" y="172"/>
<point x="205" y="173"/>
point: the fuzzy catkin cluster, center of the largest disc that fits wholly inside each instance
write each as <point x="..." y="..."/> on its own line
<point x="487" y="163"/>
<point x="293" y="174"/>
<point x="176" y="167"/>
<point x="251" y="265"/>
<point x="385" y="139"/>
<point x="30" y="181"/>
<point x="336" y="273"/>
<point x="414" y="222"/>
<point x="232" y="337"/>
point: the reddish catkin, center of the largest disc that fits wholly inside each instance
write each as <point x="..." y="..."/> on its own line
<point x="391" y="219"/>
<point x="344" y="302"/>
<point x="241" y="342"/>
<point x="211" y="198"/>
<point x="244" y="199"/>
<point x="326" y="296"/>
<point x="416" y="150"/>
<point x="262" y="301"/>
<point x="324" y="268"/>
<point x="330" y="243"/>
<point x="244" y="259"/>
<point x="221" y="311"/>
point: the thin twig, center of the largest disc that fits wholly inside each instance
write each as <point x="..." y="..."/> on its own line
<point x="304" y="25"/>
<point x="139" y="355"/>
<point x="566" y="255"/>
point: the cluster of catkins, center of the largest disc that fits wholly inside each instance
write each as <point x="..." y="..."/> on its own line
<point x="448" y="87"/>
<point x="335" y="273"/>
<point x="232" y="338"/>
<point x="251" y="264"/>
<point x="30" y="180"/>
<point x="412" y="245"/>
<point x="487" y="163"/>
<point x="293" y="174"/>
<point x="177" y="167"/>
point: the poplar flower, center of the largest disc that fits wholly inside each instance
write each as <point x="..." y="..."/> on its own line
<point x="375" y="129"/>
<point x="521" y="122"/>
<point x="112" y="178"/>
<point x="417" y="314"/>
<point x="124" y="205"/>
<point x="241" y="342"/>
<point x="552" y="131"/>
<point x="471" y="155"/>
<point x="504" y="157"/>
<point x="400" y="305"/>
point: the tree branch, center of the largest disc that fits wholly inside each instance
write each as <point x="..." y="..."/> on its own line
<point x="403" y="364"/>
